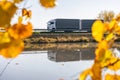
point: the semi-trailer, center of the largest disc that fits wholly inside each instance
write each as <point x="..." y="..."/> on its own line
<point x="70" y="25"/>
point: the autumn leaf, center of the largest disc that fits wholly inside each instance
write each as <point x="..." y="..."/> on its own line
<point x="105" y="57"/>
<point x="112" y="25"/>
<point x="84" y="74"/>
<point x="20" y="31"/>
<point x="108" y="58"/>
<point x="112" y="77"/>
<point x="98" y="30"/>
<point x="96" y="71"/>
<point x="48" y="3"/>
<point x="115" y="66"/>
<point x="12" y="49"/>
<point x="100" y="52"/>
<point x="109" y="37"/>
<point x="118" y="17"/>
<point x="4" y="37"/>
<point x="26" y="13"/>
<point x="7" y="10"/>
<point x="117" y="29"/>
<point x="17" y="1"/>
<point x="20" y="19"/>
<point x="103" y="44"/>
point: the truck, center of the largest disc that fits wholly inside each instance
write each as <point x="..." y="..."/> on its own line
<point x="86" y="24"/>
<point x="70" y="25"/>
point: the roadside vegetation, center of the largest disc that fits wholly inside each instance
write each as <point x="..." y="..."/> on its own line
<point x="59" y="39"/>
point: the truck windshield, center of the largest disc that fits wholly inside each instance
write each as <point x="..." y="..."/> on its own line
<point x="49" y="23"/>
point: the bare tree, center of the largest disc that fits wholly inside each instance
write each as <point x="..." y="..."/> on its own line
<point x="106" y="16"/>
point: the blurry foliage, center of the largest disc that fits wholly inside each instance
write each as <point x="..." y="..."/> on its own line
<point x="11" y="39"/>
<point x="48" y="3"/>
<point x="12" y="36"/>
<point x="106" y="16"/>
<point x="105" y="33"/>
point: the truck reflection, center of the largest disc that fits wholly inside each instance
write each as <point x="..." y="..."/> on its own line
<point x="65" y="55"/>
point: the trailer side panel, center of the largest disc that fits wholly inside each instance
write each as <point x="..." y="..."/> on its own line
<point x="67" y="24"/>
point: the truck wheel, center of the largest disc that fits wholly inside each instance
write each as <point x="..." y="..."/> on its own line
<point x="53" y="30"/>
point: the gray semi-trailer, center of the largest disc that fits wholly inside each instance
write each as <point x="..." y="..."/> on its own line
<point x="86" y="24"/>
<point x="70" y="25"/>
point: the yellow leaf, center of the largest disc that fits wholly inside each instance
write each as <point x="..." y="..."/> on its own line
<point x="106" y="58"/>
<point x="12" y="49"/>
<point x="110" y="37"/>
<point x="48" y="3"/>
<point x="112" y="77"/>
<point x="112" y="25"/>
<point x="4" y="37"/>
<point x="108" y="54"/>
<point x="98" y="30"/>
<point x="101" y="49"/>
<point x="109" y="77"/>
<point x="115" y="66"/>
<point x="103" y="44"/>
<point x="100" y="52"/>
<point x="20" y="20"/>
<point x="84" y="74"/>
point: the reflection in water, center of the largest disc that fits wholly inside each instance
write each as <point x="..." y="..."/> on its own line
<point x="65" y="55"/>
<point x="64" y="52"/>
<point x="61" y="62"/>
<point x="49" y="62"/>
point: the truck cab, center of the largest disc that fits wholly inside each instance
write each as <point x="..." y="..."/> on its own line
<point x="51" y="25"/>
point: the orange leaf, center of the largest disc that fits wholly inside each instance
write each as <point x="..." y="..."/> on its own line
<point x="96" y="71"/>
<point x="48" y="3"/>
<point x="26" y="13"/>
<point x="20" y="31"/>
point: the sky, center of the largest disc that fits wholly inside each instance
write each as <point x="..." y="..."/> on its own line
<point x="70" y="9"/>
